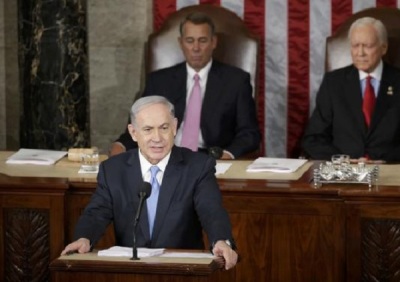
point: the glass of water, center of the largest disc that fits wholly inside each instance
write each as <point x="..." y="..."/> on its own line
<point x="90" y="160"/>
<point x="340" y="160"/>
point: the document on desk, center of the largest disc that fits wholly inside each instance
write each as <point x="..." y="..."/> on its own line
<point x="118" y="251"/>
<point x="186" y="255"/>
<point x="35" y="156"/>
<point x="221" y="168"/>
<point x="279" y="165"/>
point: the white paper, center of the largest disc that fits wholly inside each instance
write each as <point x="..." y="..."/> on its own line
<point x="221" y="168"/>
<point x="35" y="156"/>
<point x="118" y="251"/>
<point x="279" y="165"/>
<point x="83" y="170"/>
<point x="186" y="255"/>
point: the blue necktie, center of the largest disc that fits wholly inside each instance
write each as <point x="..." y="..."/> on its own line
<point x="153" y="199"/>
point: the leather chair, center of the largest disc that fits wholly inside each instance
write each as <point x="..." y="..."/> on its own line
<point x="337" y="46"/>
<point x="236" y="45"/>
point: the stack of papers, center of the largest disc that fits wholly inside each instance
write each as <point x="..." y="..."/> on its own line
<point x="187" y="255"/>
<point x="275" y="165"/>
<point x="35" y="156"/>
<point x="221" y="168"/>
<point x="118" y="251"/>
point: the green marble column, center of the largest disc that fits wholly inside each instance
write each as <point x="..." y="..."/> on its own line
<point x="53" y="65"/>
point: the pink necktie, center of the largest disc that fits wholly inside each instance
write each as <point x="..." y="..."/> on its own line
<point x="191" y="126"/>
<point x="369" y="101"/>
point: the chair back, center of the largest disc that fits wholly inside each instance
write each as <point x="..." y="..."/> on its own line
<point x="338" y="48"/>
<point x="236" y="45"/>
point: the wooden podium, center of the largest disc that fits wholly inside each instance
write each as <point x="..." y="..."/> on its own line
<point x="90" y="267"/>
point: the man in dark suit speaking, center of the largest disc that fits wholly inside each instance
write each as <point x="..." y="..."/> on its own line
<point x="227" y="116"/>
<point x="358" y="107"/>
<point x="188" y="198"/>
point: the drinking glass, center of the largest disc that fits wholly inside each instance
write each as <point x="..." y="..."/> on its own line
<point x="340" y="160"/>
<point x="90" y="160"/>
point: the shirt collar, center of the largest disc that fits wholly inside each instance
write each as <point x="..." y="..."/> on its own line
<point x="202" y="73"/>
<point x="145" y="164"/>
<point x="376" y="73"/>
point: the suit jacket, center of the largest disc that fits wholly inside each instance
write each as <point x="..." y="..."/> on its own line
<point x="228" y="117"/>
<point x="337" y="124"/>
<point x="189" y="199"/>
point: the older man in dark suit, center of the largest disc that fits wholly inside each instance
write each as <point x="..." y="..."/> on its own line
<point x="358" y="107"/>
<point x="228" y="118"/>
<point x="188" y="198"/>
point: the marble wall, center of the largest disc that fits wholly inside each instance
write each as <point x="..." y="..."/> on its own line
<point x="117" y="31"/>
<point x="9" y="76"/>
<point x="2" y="84"/>
<point x="53" y="67"/>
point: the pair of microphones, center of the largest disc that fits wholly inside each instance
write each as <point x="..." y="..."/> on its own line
<point x="144" y="193"/>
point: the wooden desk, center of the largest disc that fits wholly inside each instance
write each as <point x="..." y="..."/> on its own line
<point x="90" y="267"/>
<point x="285" y="229"/>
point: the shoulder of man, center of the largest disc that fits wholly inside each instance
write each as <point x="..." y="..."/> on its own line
<point x="184" y="155"/>
<point x="223" y="67"/>
<point x="126" y="158"/>
<point x="341" y="73"/>
<point x="391" y="68"/>
<point x="169" y="70"/>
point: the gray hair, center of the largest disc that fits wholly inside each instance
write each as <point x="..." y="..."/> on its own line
<point x="148" y="101"/>
<point x="377" y="24"/>
<point x="197" y="18"/>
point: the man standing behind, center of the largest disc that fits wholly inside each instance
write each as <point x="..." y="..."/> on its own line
<point x="358" y="108"/>
<point x="185" y="196"/>
<point x="226" y="115"/>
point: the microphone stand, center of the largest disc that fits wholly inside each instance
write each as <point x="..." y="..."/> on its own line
<point x="144" y="194"/>
<point x="134" y="249"/>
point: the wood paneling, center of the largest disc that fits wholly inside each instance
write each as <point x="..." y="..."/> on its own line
<point x="127" y="270"/>
<point x="31" y="227"/>
<point x="373" y="241"/>
<point x="287" y="239"/>
<point x="285" y="230"/>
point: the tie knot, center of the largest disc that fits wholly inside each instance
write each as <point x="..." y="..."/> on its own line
<point x="196" y="77"/>
<point x="154" y="170"/>
<point x="369" y="78"/>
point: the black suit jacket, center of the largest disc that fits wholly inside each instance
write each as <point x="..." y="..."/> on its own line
<point x="189" y="199"/>
<point x="337" y="124"/>
<point x="228" y="117"/>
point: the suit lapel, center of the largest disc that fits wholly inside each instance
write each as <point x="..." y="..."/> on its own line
<point x="178" y="93"/>
<point x="169" y="184"/>
<point x="212" y="95"/>
<point x="135" y="180"/>
<point x="353" y="99"/>
<point x="384" y="100"/>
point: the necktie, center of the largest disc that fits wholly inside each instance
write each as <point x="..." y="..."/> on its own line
<point x="369" y="101"/>
<point x="191" y="126"/>
<point x="153" y="199"/>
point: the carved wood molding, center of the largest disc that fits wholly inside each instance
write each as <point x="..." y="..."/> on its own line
<point x="380" y="245"/>
<point x="27" y="244"/>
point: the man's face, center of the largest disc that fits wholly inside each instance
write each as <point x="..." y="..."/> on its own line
<point x="154" y="131"/>
<point x="366" y="49"/>
<point x="197" y="44"/>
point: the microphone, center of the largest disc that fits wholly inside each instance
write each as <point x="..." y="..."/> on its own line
<point x="143" y="194"/>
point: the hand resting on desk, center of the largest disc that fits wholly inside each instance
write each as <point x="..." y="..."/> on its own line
<point x="221" y="249"/>
<point x="81" y="246"/>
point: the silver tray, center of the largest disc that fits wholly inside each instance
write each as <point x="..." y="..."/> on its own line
<point x="327" y="173"/>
